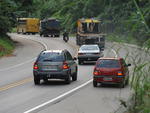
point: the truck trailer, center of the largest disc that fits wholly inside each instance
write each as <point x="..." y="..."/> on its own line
<point x="28" y="25"/>
<point x="50" y="27"/>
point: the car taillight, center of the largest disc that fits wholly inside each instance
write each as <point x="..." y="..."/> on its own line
<point x="120" y="73"/>
<point x="35" y="66"/>
<point x="96" y="72"/>
<point x="65" y="65"/>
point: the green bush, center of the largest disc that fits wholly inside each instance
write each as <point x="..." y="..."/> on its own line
<point x="6" y="46"/>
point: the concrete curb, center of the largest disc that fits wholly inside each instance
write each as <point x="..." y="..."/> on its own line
<point x="122" y="108"/>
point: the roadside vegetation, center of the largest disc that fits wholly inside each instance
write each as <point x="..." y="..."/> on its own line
<point x="140" y="80"/>
<point x="126" y="18"/>
<point x="6" y="46"/>
<point x="122" y="20"/>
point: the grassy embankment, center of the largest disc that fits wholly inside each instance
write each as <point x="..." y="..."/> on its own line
<point x="6" y="46"/>
<point x="140" y="79"/>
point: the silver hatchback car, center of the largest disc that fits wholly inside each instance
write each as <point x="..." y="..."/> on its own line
<point x="55" y="64"/>
<point x="89" y="53"/>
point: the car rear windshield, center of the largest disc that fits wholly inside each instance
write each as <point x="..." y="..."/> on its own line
<point x="108" y="63"/>
<point x="85" y="48"/>
<point x="51" y="56"/>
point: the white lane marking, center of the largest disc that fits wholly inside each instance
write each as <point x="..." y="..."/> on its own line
<point x="42" y="43"/>
<point x="114" y="53"/>
<point x="35" y="109"/>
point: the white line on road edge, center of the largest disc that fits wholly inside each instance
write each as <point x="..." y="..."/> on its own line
<point x="17" y="65"/>
<point x="37" y="108"/>
<point x="42" y="43"/>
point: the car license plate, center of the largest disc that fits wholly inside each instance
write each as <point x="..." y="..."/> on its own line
<point x="88" y="53"/>
<point x="107" y="79"/>
<point x="49" y="67"/>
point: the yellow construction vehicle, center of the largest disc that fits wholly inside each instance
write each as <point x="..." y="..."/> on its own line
<point x="89" y="32"/>
<point x="28" y="25"/>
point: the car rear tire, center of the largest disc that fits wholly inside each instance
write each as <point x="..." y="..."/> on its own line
<point x="102" y="84"/>
<point x="68" y="79"/>
<point x="122" y="85"/>
<point x="94" y="84"/>
<point x="36" y="81"/>
<point x="127" y="81"/>
<point x="74" y="77"/>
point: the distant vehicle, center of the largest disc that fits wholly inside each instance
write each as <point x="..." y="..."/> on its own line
<point x="89" y="32"/>
<point x="28" y="25"/>
<point x="111" y="71"/>
<point x="50" y="27"/>
<point x="55" y="64"/>
<point x="89" y="53"/>
<point x="66" y="36"/>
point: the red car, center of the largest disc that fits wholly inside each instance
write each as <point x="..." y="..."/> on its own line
<point x="111" y="71"/>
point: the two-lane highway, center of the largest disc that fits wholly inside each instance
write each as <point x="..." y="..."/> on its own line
<point x="18" y="93"/>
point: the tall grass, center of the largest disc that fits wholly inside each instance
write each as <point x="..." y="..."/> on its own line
<point x="140" y="82"/>
<point x="121" y="38"/>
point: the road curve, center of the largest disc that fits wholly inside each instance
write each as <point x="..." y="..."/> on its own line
<point x="25" y="96"/>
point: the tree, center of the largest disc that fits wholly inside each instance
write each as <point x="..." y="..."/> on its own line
<point x="6" y="16"/>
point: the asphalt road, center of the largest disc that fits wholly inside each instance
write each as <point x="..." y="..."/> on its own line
<point x="18" y="93"/>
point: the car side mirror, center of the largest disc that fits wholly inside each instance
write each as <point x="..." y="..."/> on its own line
<point x="128" y="64"/>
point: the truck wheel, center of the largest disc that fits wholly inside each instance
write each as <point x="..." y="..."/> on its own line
<point x="41" y="34"/>
<point x="122" y="85"/>
<point x="76" y="41"/>
<point x="44" y="35"/>
<point x="56" y="35"/>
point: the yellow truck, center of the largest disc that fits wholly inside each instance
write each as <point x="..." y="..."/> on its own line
<point x="89" y="32"/>
<point x="28" y="25"/>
